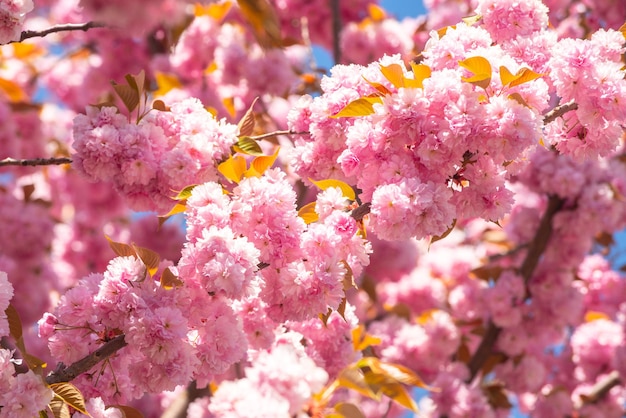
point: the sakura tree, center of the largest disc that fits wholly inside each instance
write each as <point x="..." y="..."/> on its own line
<point x="197" y="220"/>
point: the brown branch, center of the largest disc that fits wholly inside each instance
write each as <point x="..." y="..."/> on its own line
<point x="536" y="247"/>
<point x="361" y="211"/>
<point x="559" y="111"/>
<point x="600" y="389"/>
<point x="27" y="34"/>
<point x="336" y="28"/>
<point x="276" y="133"/>
<point x="35" y="161"/>
<point x="69" y="373"/>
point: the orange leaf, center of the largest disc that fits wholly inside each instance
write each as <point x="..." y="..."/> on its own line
<point x="394" y="73"/>
<point x="233" y="168"/>
<point x="359" y="107"/>
<point x="480" y="67"/>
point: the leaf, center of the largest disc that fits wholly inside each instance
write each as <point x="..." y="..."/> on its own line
<point x="341" y="309"/>
<point x="120" y="249"/>
<point x="471" y="20"/>
<point x="185" y="193"/>
<point x="35" y="364"/>
<point x="264" y="22"/>
<point x="376" y="13"/>
<point x="518" y="98"/>
<point x="178" y="208"/>
<point x="13" y="91"/>
<point x="487" y="272"/>
<point x="59" y="408"/>
<point x="15" y="323"/>
<point x="160" y="106"/>
<point x="394" y="73"/>
<point x="442" y="32"/>
<point x="420" y="73"/>
<point x="496" y="395"/>
<point x="392" y="372"/>
<point x="442" y="236"/>
<point x="348" y="410"/>
<point x="23" y="51"/>
<point x="361" y="339"/>
<point x="595" y="315"/>
<point x="348" y="279"/>
<point x="480" y="67"/>
<point x="128" y="95"/>
<point x="399" y="394"/>
<point x="166" y="82"/>
<point x="70" y="395"/>
<point x="359" y="107"/>
<point x="346" y="190"/>
<point x="217" y="10"/>
<point x="248" y="146"/>
<point x="324" y="316"/>
<point x="127" y="411"/>
<point x="260" y="164"/>
<point x="524" y="75"/>
<point x="229" y="105"/>
<point x="246" y="124"/>
<point x="352" y="378"/>
<point x="169" y="280"/>
<point x="149" y="258"/>
<point x="308" y="214"/>
<point x="233" y="168"/>
<point x="622" y="29"/>
<point x="379" y="87"/>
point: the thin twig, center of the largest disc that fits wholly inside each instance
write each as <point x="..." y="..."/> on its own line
<point x="178" y="408"/>
<point x="276" y="133"/>
<point x="600" y="389"/>
<point x="36" y="161"/>
<point x="536" y="247"/>
<point x="69" y="373"/>
<point x="336" y="15"/>
<point x="27" y="34"/>
<point x="559" y="111"/>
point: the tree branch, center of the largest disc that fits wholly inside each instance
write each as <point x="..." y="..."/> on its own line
<point x="35" y="161"/>
<point x="600" y="389"/>
<point x="276" y="133"/>
<point x="559" y="111"/>
<point x="27" y="34"/>
<point x="178" y="408"/>
<point x="536" y="247"/>
<point x="67" y="374"/>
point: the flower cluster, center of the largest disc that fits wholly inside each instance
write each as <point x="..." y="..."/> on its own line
<point x="12" y="14"/>
<point x="148" y="161"/>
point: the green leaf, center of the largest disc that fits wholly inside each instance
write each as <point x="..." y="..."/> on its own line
<point x="246" y="124"/>
<point x="359" y="107"/>
<point x="248" y="146"/>
<point x="70" y="395"/>
<point x="347" y="191"/>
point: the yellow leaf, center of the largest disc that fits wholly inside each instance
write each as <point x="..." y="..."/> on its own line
<point x="169" y="280"/>
<point x="399" y="394"/>
<point x="480" y="67"/>
<point x="379" y="87"/>
<point x="420" y="73"/>
<point x="376" y="13"/>
<point x="260" y="164"/>
<point x="352" y="378"/>
<point x="524" y="75"/>
<point x="359" y="107"/>
<point x="263" y="20"/>
<point x="441" y="32"/>
<point x="233" y="168"/>
<point x="70" y="396"/>
<point x="622" y="29"/>
<point x="59" y="408"/>
<point x="518" y="98"/>
<point x="166" y="82"/>
<point x="346" y="190"/>
<point x="471" y="20"/>
<point x="22" y="50"/>
<point x="308" y="214"/>
<point x="178" y="208"/>
<point x="595" y="315"/>
<point x="149" y="258"/>
<point x="217" y="10"/>
<point x="394" y="73"/>
<point x="229" y="105"/>
<point x="361" y="340"/>
<point x="13" y="91"/>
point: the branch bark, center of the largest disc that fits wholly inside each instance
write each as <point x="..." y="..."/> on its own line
<point x="35" y="161"/>
<point x="536" y="247"/>
<point x="27" y="34"/>
<point x="559" y="111"/>
<point x="602" y="388"/>
<point x="336" y="15"/>
<point x="69" y="373"/>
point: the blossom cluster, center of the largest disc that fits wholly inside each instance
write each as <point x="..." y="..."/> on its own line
<point x="12" y="13"/>
<point x="148" y="161"/>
